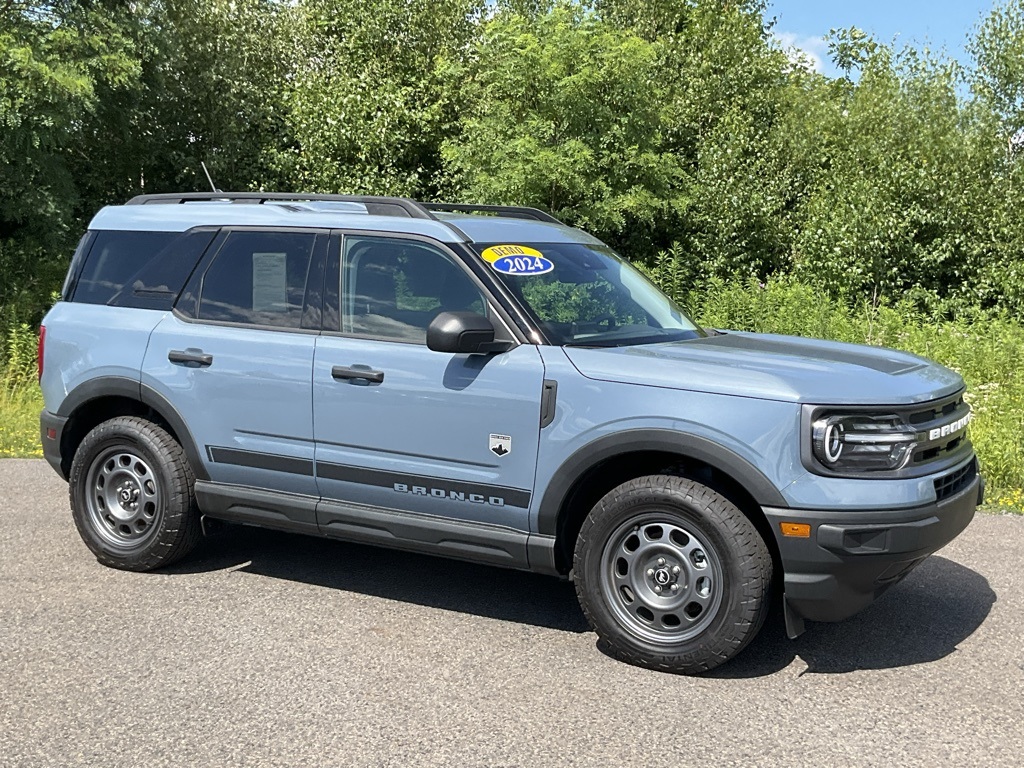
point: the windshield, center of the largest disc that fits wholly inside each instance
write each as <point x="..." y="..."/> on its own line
<point x="585" y="295"/>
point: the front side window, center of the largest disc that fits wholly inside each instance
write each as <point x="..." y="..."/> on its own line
<point x="258" y="278"/>
<point x="393" y="288"/>
<point x="585" y="295"/>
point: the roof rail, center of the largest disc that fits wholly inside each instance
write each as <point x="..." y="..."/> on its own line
<point x="377" y="206"/>
<point x="505" y="211"/>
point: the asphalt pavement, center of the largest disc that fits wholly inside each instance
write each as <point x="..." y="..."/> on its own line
<point x="271" y="649"/>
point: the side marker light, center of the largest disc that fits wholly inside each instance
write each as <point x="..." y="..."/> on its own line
<point x="796" y="530"/>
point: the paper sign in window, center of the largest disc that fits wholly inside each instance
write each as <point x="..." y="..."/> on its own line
<point x="269" y="282"/>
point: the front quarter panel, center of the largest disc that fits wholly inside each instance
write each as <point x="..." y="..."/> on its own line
<point x="758" y="434"/>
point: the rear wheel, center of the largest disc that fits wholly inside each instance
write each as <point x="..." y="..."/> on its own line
<point x="132" y="495"/>
<point x="672" y="575"/>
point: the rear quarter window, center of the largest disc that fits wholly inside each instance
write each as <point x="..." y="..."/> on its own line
<point x="146" y="270"/>
<point x="75" y="268"/>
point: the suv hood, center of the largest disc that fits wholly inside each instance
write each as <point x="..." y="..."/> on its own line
<point x="773" y="367"/>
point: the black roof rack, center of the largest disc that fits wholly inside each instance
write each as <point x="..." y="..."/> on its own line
<point x="377" y="206"/>
<point x="505" y="211"/>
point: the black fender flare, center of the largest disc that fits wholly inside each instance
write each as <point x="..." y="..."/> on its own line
<point x="682" y="444"/>
<point x="122" y="386"/>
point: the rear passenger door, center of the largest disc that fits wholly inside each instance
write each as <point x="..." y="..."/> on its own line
<point x="401" y="427"/>
<point x="236" y="355"/>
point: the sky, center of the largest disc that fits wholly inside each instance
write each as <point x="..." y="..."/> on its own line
<point x="937" y="24"/>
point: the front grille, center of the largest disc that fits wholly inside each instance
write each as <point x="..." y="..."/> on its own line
<point x="956" y="481"/>
<point x="936" y="412"/>
<point x="935" y="415"/>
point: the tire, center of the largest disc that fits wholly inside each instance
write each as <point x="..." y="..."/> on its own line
<point x="671" y="575"/>
<point x="132" y="495"/>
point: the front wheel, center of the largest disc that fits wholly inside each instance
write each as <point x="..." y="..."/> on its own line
<point x="671" y="575"/>
<point x="132" y="495"/>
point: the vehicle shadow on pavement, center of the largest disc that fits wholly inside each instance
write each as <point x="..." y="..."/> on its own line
<point x="496" y="593"/>
<point x="922" y="619"/>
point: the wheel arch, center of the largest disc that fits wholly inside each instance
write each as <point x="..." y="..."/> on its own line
<point x="106" y="397"/>
<point x="595" y="469"/>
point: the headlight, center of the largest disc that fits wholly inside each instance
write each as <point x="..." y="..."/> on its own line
<point x="862" y="442"/>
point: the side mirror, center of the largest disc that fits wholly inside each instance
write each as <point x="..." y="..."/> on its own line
<point x="463" y="333"/>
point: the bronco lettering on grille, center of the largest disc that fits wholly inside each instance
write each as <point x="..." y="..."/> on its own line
<point x="949" y="429"/>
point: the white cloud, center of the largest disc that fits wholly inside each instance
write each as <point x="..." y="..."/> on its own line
<point x="810" y="51"/>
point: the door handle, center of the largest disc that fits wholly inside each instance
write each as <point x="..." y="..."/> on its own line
<point x="341" y="372"/>
<point x="190" y="356"/>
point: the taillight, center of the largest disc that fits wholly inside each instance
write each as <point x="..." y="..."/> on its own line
<point x="39" y="353"/>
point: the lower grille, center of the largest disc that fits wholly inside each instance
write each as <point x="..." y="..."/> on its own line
<point x="954" y="482"/>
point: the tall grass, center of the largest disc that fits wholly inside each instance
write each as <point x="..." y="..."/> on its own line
<point x="19" y="421"/>
<point x="20" y="398"/>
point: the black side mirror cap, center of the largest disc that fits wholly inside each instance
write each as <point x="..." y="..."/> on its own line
<point x="463" y="333"/>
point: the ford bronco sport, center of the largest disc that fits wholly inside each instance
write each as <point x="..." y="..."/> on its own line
<point x="488" y="384"/>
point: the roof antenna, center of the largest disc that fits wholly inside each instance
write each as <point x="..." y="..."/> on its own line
<point x="212" y="185"/>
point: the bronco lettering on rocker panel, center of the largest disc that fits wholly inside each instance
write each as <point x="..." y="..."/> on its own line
<point x="441" y="493"/>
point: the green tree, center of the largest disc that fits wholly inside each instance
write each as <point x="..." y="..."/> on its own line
<point x="563" y="111"/>
<point x="729" y="88"/>
<point x="369" y="105"/>
<point x="213" y="83"/>
<point x="900" y="177"/>
<point x="998" y="50"/>
<point x="54" y="58"/>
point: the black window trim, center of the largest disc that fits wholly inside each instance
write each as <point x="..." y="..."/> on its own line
<point x="194" y="284"/>
<point x="510" y="327"/>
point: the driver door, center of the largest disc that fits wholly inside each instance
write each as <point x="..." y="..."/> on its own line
<point x="401" y="428"/>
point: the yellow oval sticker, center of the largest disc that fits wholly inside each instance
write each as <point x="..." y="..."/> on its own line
<point x="517" y="260"/>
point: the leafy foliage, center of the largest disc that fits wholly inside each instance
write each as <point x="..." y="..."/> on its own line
<point x="563" y="111"/>
<point x="54" y="58"/>
<point x="370" y="105"/>
<point x="669" y="123"/>
<point x="998" y="47"/>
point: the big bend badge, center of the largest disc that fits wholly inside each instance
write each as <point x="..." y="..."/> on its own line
<point x="501" y="445"/>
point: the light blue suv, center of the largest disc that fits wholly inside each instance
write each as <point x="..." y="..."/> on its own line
<point x="488" y="384"/>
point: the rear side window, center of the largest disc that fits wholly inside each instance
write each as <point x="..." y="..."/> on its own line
<point x="258" y="278"/>
<point x="145" y="270"/>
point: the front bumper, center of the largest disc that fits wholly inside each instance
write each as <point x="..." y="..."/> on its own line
<point x="850" y="558"/>
<point x="51" y="432"/>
